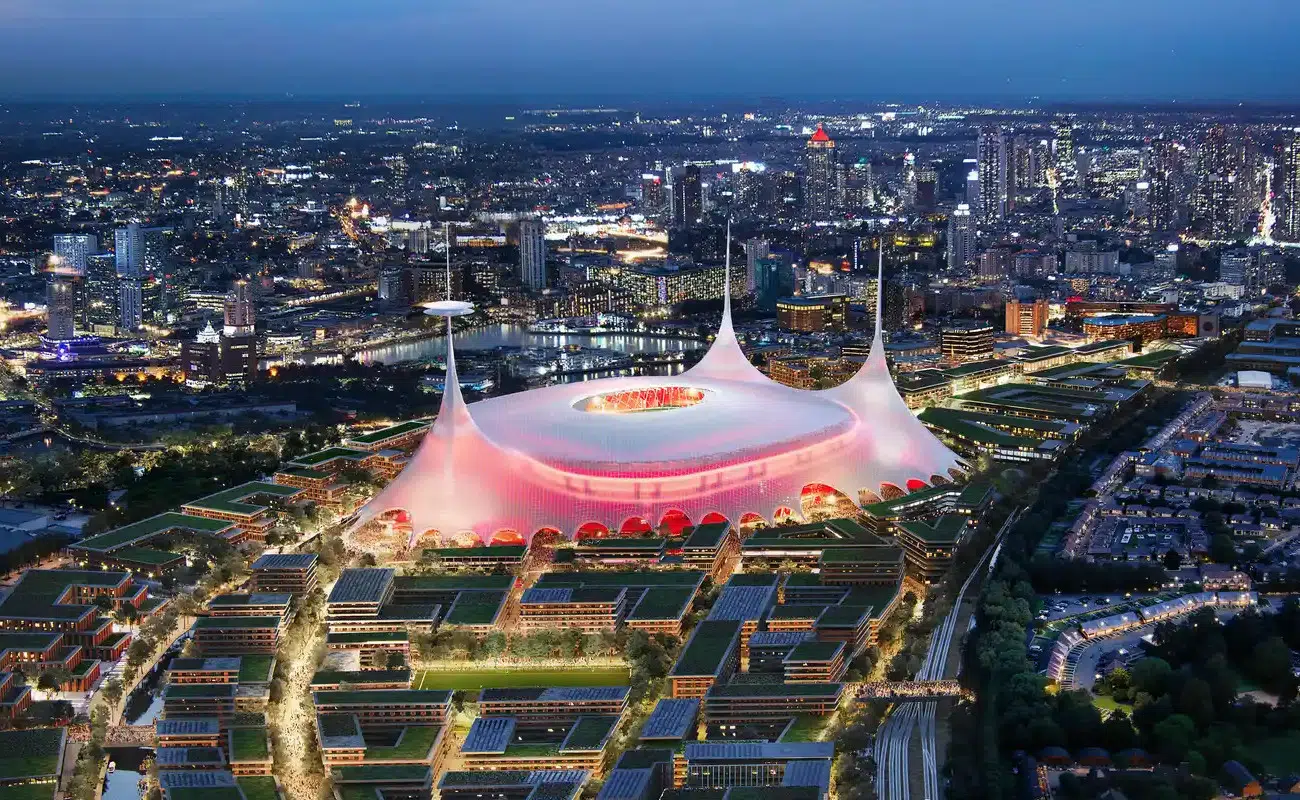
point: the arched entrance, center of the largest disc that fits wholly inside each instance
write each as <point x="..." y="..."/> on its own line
<point x="506" y="536"/>
<point x="635" y="526"/>
<point x="822" y="501"/>
<point x="591" y="530"/>
<point x="889" y="491"/>
<point x="713" y="518"/>
<point x="674" y="522"/>
<point x="916" y="485"/>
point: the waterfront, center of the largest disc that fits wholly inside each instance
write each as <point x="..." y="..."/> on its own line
<point x="491" y="337"/>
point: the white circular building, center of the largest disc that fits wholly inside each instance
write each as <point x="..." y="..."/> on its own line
<point x="631" y="454"/>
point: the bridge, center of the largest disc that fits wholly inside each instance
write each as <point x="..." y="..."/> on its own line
<point x="129" y="736"/>
<point x="903" y="691"/>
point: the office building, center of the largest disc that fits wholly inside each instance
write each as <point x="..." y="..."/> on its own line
<point x="755" y="251"/>
<point x="130" y="303"/>
<point x="75" y="249"/>
<point x="61" y="306"/>
<point x="240" y="310"/>
<point x="961" y="238"/>
<point x="1288" y="223"/>
<point x="1063" y="155"/>
<point x="1167" y="203"/>
<point x="652" y="194"/>
<point x="819" y="175"/>
<point x="813" y="313"/>
<point x="128" y="248"/>
<point x="1215" y="207"/>
<point x="100" y="311"/>
<point x="966" y="340"/>
<point x="991" y="154"/>
<point x="532" y="253"/>
<point x="773" y="279"/>
<point x="1027" y="318"/>
<point x="1236" y="267"/>
<point x="688" y="198"/>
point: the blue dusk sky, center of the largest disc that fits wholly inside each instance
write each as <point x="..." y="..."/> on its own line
<point x="910" y="50"/>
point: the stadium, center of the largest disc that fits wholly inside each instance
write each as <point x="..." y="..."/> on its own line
<point x="627" y="455"/>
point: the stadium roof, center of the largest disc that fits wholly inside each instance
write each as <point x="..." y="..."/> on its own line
<point x="719" y="438"/>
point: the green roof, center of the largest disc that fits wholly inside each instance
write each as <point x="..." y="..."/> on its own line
<point x="146" y="555"/>
<point x="1151" y="359"/>
<point x="959" y="424"/>
<point x="662" y="602"/>
<point x="233" y="500"/>
<point x="475" y="608"/>
<point x="846" y="616"/>
<point x="415" y="743"/>
<point x="623" y="543"/>
<point x="383" y="697"/>
<point x="199" y="691"/>
<point x="390" y="432"/>
<point x="218" y="623"/>
<point x="887" y="508"/>
<point x="30" y="753"/>
<point x="556" y="580"/>
<point x="503" y="551"/>
<point x="249" y="744"/>
<point x="590" y="732"/>
<point x="29" y="791"/>
<point x="775" y="689"/>
<point x="402" y="773"/>
<point x="332" y="676"/>
<point x="255" y="668"/>
<point x="258" y="787"/>
<point x="363" y="638"/>
<point x="305" y="472"/>
<point x="451" y="582"/>
<point x="861" y="555"/>
<point x="153" y="526"/>
<point x="329" y="454"/>
<point x="708" y="646"/>
<point x="815" y="651"/>
<point x="707" y="537"/>
<point x="945" y="530"/>
<point x="978" y="367"/>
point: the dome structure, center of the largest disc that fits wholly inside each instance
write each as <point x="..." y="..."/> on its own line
<point x="616" y="454"/>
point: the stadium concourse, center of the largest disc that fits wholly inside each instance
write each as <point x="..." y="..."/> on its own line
<point x="629" y="454"/>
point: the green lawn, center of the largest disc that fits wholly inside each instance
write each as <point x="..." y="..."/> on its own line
<point x="1109" y="705"/>
<point x="1279" y="754"/>
<point x="514" y="678"/>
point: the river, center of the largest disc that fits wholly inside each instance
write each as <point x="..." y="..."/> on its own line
<point x="493" y="336"/>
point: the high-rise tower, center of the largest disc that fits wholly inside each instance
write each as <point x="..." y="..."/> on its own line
<point x="991" y="153"/>
<point x="819" y="175"/>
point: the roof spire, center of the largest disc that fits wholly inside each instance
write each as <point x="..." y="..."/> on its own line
<point x="879" y="338"/>
<point x="724" y="358"/>
<point x="726" y="280"/>
<point x="446" y="238"/>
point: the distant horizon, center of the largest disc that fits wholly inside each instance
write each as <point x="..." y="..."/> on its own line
<point x="1104" y="50"/>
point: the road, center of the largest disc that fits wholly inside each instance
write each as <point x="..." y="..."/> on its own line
<point x="894" y="740"/>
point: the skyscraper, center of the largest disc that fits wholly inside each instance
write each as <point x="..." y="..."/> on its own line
<point x="819" y="175"/>
<point x="961" y="238"/>
<point x="991" y="153"/>
<point x="1166" y="193"/>
<point x="688" y="198"/>
<point x="1288" y="224"/>
<point x="973" y="189"/>
<point x="130" y="303"/>
<point x="74" y="249"/>
<point x="1063" y="151"/>
<point x="1215" y="208"/>
<point x="532" y="252"/>
<point x="128" y="247"/>
<point x="100" y="311"/>
<point x="755" y="250"/>
<point x="652" y="194"/>
<point x="61" y="307"/>
<point x="240" y="310"/>
<point x="1027" y="317"/>
<point x="1020" y="168"/>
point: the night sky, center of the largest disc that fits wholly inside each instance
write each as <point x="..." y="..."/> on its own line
<point x="912" y="50"/>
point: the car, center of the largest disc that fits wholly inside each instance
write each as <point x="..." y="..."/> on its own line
<point x="1035" y="648"/>
<point x="1105" y="601"/>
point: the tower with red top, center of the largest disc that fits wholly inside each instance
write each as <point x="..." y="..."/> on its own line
<point x="819" y="175"/>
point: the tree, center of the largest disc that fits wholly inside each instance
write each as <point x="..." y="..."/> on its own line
<point x="1222" y="550"/>
<point x="52" y="678"/>
<point x="1196" y="702"/>
<point x="1173" y="561"/>
<point x="1152" y="676"/>
<point x="1173" y="736"/>
<point x="1270" y="664"/>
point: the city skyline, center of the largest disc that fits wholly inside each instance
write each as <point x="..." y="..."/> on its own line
<point x="1163" y="50"/>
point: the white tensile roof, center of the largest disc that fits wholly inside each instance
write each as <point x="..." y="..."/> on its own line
<point x="740" y="444"/>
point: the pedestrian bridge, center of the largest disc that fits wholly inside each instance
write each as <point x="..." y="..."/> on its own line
<point x="129" y="736"/>
<point x="902" y="691"/>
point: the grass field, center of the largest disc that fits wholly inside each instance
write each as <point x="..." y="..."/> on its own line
<point x="1108" y="705"/>
<point x="514" y="678"/>
<point x="1280" y="754"/>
